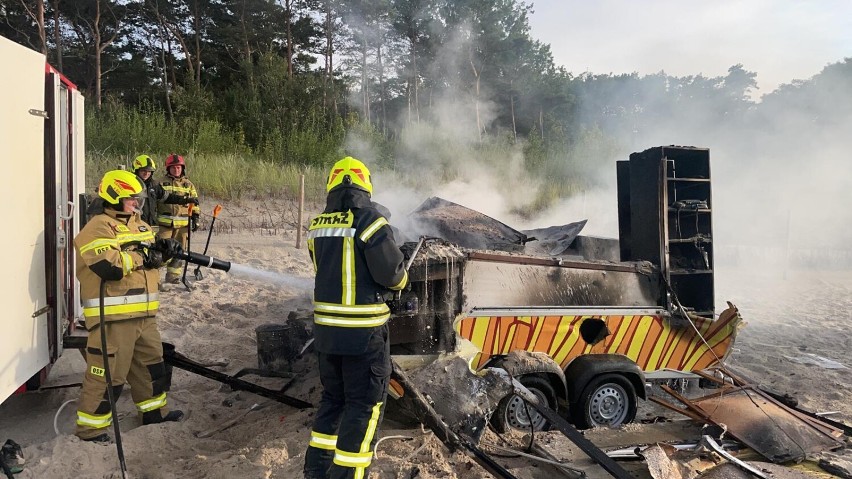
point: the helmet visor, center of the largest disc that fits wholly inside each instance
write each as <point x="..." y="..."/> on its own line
<point x="141" y="197"/>
<point x="138" y="203"/>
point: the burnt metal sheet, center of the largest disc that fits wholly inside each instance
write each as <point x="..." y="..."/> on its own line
<point x="554" y="240"/>
<point x="500" y="284"/>
<point x="824" y="424"/>
<point x="765" y="425"/>
<point x="634" y="267"/>
<point x="465" y="227"/>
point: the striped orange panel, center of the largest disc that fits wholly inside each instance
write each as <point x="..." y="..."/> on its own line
<point x="649" y="340"/>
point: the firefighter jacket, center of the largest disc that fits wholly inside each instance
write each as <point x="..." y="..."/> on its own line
<point x="175" y="215"/>
<point x="155" y="195"/>
<point x="356" y="261"/>
<point x="108" y="248"/>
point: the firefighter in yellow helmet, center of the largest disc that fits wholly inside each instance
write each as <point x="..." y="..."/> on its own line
<point x="112" y="263"/>
<point x="144" y="167"/>
<point x="173" y="212"/>
<point x="356" y="261"/>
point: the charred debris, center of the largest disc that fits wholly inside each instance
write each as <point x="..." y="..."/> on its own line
<point x="550" y="332"/>
<point x="477" y="280"/>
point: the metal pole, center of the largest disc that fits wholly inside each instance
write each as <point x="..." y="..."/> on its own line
<point x="301" y="210"/>
<point x="188" y="247"/>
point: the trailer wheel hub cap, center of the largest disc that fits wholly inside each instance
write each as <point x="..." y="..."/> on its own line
<point x="516" y="412"/>
<point x="608" y="405"/>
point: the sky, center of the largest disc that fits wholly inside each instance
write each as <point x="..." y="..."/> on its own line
<point x="775" y="184"/>
<point x="781" y="40"/>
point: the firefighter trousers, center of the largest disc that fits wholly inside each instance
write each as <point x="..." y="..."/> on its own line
<point x="174" y="267"/>
<point x="135" y="353"/>
<point x="350" y="411"/>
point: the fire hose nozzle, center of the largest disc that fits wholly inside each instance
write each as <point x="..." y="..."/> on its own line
<point x="203" y="260"/>
<point x="197" y="259"/>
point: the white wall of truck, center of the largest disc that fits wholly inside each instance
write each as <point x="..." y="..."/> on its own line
<point x="42" y="152"/>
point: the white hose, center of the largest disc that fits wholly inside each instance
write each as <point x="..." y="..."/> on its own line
<point x="56" y="416"/>
<point x="376" y="447"/>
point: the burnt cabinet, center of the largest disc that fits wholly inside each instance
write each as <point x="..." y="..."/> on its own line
<point x="665" y="217"/>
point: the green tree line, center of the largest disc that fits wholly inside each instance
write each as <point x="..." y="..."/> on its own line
<point x="413" y="83"/>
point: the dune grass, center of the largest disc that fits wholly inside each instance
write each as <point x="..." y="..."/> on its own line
<point x="535" y="174"/>
<point x="225" y="175"/>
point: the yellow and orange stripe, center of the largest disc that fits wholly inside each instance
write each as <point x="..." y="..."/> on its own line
<point x="650" y="340"/>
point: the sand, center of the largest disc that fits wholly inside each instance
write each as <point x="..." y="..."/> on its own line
<point x="786" y="318"/>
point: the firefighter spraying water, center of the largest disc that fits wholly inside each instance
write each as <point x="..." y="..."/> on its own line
<point x="243" y="271"/>
<point x="271" y="277"/>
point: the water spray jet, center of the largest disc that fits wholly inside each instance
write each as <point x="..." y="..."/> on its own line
<point x="269" y="277"/>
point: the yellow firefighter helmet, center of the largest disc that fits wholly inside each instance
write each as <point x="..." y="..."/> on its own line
<point x="350" y="172"/>
<point x="118" y="184"/>
<point x="144" y="162"/>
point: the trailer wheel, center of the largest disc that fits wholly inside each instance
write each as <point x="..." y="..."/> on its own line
<point x="511" y="412"/>
<point x="608" y="400"/>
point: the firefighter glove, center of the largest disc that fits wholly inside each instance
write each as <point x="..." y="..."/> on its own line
<point x="169" y="247"/>
<point x="189" y="200"/>
<point x="193" y="222"/>
<point x="152" y="259"/>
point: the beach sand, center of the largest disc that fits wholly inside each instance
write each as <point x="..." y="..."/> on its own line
<point x="787" y="321"/>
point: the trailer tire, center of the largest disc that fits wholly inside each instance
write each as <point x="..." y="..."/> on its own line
<point x="511" y="412"/>
<point x="607" y="400"/>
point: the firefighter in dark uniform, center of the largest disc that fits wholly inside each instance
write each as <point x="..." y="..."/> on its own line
<point x="173" y="213"/>
<point x="109" y="251"/>
<point x="356" y="262"/>
<point x="144" y="167"/>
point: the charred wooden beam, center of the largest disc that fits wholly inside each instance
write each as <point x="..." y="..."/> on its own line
<point x="431" y="419"/>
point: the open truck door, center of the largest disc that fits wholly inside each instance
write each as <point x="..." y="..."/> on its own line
<point x="42" y="143"/>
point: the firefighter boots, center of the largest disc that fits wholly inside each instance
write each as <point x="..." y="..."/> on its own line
<point x="155" y="417"/>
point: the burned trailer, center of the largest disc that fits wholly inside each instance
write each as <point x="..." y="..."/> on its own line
<point x="607" y="314"/>
<point x="448" y="280"/>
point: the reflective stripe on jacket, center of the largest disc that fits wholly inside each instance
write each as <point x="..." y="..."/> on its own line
<point x="174" y="215"/>
<point x="356" y="262"/>
<point x="108" y="248"/>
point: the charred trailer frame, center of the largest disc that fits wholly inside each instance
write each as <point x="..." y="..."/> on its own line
<point x="447" y="281"/>
<point x="603" y="325"/>
<point x="665" y="247"/>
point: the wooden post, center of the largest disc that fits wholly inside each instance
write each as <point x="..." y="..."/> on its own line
<point x="301" y="210"/>
<point x="787" y="243"/>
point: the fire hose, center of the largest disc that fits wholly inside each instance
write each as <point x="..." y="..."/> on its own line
<point x="189" y="257"/>
<point x="108" y="377"/>
<point x="195" y="258"/>
<point x="178" y="360"/>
